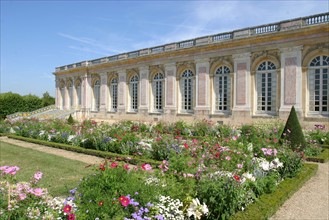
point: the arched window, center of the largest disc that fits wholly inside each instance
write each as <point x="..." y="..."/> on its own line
<point x="157" y="87"/>
<point x="318" y="82"/>
<point x="133" y="90"/>
<point x="266" y="83"/>
<point x="70" y="90"/>
<point x="96" y="91"/>
<point x="222" y="87"/>
<point x="78" y="91"/>
<point x="114" y="94"/>
<point x="186" y="83"/>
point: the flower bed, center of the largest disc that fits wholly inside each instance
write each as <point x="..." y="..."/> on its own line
<point x="206" y="171"/>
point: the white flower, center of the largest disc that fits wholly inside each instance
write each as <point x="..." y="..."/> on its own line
<point x="249" y="176"/>
<point x="70" y="138"/>
<point x="196" y="209"/>
<point x="276" y="163"/>
<point x="265" y="165"/>
<point x="250" y="147"/>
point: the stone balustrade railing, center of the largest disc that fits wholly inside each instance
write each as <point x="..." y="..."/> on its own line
<point x="242" y="33"/>
<point x="28" y="114"/>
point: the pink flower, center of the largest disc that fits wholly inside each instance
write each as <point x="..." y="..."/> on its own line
<point x="114" y="165"/>
<point x="22" y="196"/>
<point x="146" y="166"/>
<point x="10" y="170"/>
<point x="228" y="158"/>
<point x="126" y="166"/>
<point x="124" y="201"/>
<point x="71" y="216"/>
<point x="38" y="192"/>
<point x="38" y="175"/>
<point x="67" y="209"/>
<point x="240" y="166"/>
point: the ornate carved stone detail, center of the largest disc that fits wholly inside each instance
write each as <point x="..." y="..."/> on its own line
<point x="131" y="72"/>
<point x="157" y="69"/>
<point x="215" y="62"/>
<point x="181" y="66"/>
<point x="309" y="51"/>
<point x="269" y="54"/>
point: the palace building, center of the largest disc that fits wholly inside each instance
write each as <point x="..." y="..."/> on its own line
<point x="235" y="77"/>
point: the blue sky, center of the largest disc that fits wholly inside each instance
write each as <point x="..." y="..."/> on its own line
<point x="37" y="36"/>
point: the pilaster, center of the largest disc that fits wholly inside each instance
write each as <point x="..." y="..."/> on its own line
<point x="291" y="80"/>
<point x="103" y="93"/>
<point x="241" y="98"/>
<point x="144" y="89"/>
<point x="122" y="87"/>
<point x="58" y="91"/>
<point x="202" y="86"/>
<point x="170" y="88"/>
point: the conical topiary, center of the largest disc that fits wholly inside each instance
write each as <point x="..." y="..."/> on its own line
<point x="293" y="133"/>
<point x="70" y="120"/>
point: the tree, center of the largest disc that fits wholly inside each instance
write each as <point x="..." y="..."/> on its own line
<point x="11" y="103"/>
<point x="47" y="99"/>
<point x="293" y="132"/>
<point x="31" y="102"/>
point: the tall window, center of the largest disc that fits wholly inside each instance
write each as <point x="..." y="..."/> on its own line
<point x="266" y="82"/>
<point x="157" y="87"/>
<point x="114" y="94"/>
<point x="187" y="90"/>
<point x="318" y="85"/>
<point x="133" y="89"/>
<point x="222" y="89"/>
<point x="78" y="91"/>
<point x="70" y="88"/>
<point x="96" y="91"/>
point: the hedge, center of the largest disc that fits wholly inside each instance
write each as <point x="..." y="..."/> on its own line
<point x="268" y="204"/>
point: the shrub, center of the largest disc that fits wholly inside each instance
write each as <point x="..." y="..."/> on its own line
<point x="70" y="120"/>
<point x="293" y="133"/>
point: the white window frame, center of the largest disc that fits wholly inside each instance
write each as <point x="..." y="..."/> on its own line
<point x="222" y="90"/>
<point x="96" y="95"/>
<point x="158" y="91"/>
<point x="318" y="84"/>
<point x="266" y="88"/>
<point x="114" y="94"/>
<point x="187" y="91"/>
<point x="133" y="92"/>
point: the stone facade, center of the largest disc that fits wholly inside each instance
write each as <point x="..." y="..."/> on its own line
<point x="237" y="77"/>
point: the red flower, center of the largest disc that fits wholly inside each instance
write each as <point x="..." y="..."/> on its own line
<point x="114" y="165"/>
<point x="101" y="203"/>
<point x="237" y="178"/>
<point x="186" y="145"/>
<point x="126" y="166"/>
<point x="71" y="216"/>
<point x="102" y="167"/>
<point x="67" y="209"/>
<point x="217" y="155"/>
<point x="124" y="201"/>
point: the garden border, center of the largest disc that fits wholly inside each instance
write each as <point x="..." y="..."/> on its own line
<point x="107" y="155"/>
<point x="268" y="204"/>
<point x="322" y="158"/>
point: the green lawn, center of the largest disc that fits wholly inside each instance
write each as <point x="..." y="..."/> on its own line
<point x="59" y="174"/>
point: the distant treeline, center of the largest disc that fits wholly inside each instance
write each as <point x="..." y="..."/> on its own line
<point x="12" y="102"/>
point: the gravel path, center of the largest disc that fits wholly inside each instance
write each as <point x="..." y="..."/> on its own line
<point x="63" y="153"/>
<point x="310" y="202"/>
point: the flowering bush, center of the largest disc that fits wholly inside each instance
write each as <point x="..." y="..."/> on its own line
<point x="200" y="176"/>
<point x="25" y="199"/>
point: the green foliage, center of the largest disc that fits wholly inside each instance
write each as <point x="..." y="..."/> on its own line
<point x="12" y="102"/>
<point x="268" y="204"/>
<point x="70" y="120"/>
<point x="47" y="99"/>
<point x="293" y="133"/>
